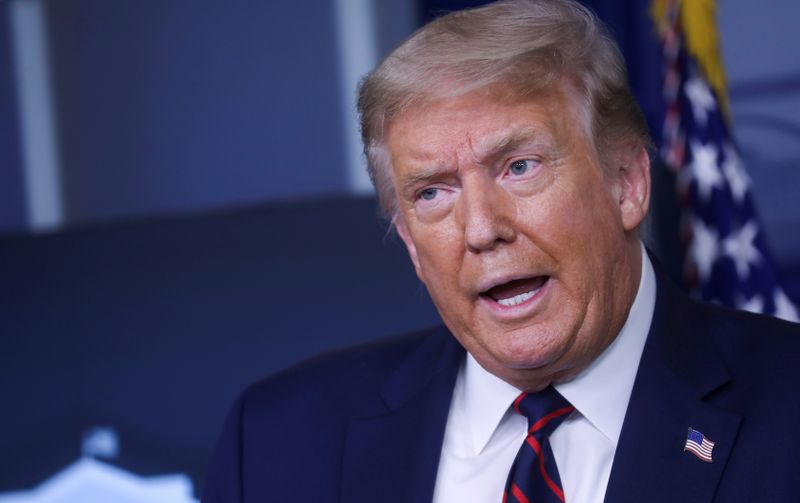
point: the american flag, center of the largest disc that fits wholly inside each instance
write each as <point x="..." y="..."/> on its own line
<point x="699" y="445"/>
<point x="727" y="258"/>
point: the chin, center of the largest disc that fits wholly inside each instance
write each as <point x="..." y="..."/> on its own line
<point x="527" y="357"/>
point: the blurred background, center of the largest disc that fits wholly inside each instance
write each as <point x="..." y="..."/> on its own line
<point x="184" y="207"/>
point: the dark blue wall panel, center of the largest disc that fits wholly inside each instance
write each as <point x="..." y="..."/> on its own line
<point x="172" y="105"/>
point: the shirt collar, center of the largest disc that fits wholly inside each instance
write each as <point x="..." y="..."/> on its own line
<point x="600" y="392"/>
<point x="486" y="400"/>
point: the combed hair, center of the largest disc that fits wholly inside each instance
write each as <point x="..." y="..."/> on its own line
<point x="530" y="46"/>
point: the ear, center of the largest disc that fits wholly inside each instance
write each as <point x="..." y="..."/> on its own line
<point x="633" y="186"/>
<point x="402" y="230"/>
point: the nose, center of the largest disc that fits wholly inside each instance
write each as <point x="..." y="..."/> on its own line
<point x="487" y="213"/>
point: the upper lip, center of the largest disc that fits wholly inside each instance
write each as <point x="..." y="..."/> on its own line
<point x="488" y="283"/>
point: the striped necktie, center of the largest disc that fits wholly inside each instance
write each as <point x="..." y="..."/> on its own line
<point x="534" y="475"/>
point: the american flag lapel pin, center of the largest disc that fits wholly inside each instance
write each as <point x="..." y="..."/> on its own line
<point x="699" y="445"/>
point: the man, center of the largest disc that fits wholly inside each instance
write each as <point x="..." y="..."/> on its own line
<point x="512" y="160"/>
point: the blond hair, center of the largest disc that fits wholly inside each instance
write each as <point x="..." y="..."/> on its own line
<point x="528" y="45"/>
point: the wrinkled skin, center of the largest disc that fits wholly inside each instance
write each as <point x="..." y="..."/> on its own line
<point x="492" y="190"/>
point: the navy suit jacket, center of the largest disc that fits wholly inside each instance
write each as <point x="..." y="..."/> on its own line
<point x="367" y="424"/>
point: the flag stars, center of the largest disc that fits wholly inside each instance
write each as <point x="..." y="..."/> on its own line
<point x="704" y="248"/>
<point x="701" y="99"/>
<point x="754" y="305"/>
<point x="740" y="247"/>
<point x="738" y="181"/>
<point x="784" y="308"/>
<point x="704" y="168"/>
<point x="726" y="252"/>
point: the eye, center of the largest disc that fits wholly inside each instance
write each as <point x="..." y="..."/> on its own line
<point x="521" y="167"/>
<point x="429" y="194"/>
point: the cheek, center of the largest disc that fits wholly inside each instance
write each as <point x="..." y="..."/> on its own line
<point x="583" y="209"/>
<point x="439" y="250"/>
<point x="577" y="232"/>
<point x="556" y="221"/>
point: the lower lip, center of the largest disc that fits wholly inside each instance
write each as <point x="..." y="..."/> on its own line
<point x="522" y="309"/>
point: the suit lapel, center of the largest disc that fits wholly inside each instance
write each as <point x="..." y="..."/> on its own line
<point x="394" y="456"/>
<point x="679" y="371"/>
<point x="650" y="463"/>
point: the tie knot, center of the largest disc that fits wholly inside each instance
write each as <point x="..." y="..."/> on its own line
<point x="547" y="408"/>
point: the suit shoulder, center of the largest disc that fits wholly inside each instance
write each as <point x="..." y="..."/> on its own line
<point x="731" y="325"/>
<point x="297" y="421"/>
<point x="338" y="378"/>
<point x="754" y="343"/>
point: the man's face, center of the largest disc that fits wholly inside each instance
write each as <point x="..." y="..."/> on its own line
<point x="528" y="251"/>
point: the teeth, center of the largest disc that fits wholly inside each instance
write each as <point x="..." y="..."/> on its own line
<point x="517" y="299"/>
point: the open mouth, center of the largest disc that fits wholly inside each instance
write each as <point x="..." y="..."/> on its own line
<point x="517" y="291"/>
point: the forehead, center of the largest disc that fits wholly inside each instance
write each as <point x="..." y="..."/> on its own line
<point x="481" y="122"/>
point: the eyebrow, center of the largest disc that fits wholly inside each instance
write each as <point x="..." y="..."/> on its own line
<point x="505" y="144"/>
<point x="424" y="177"/>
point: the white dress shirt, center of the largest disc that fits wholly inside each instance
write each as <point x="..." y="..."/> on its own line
<point x="483" y="433"/>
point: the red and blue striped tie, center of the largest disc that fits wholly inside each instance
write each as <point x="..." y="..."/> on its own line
<point x="534" y="475"/>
